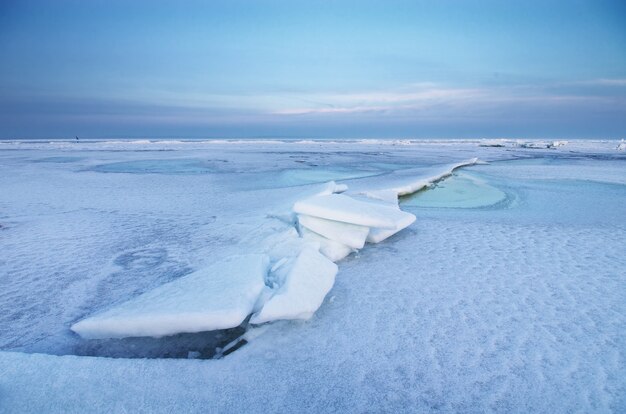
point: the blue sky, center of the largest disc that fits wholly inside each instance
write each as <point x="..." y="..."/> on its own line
<point x="414" y="69"/>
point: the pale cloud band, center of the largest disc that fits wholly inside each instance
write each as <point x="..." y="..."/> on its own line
<point x="428" y="109"/>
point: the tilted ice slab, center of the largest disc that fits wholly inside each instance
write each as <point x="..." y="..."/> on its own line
<point x="310" y="279"/>
<point x="217" y="297"/>
<point x="340" y="207"/>
<point x="377" y="235"/>
<point x="351" y="235"/>
<point x="284" y="211"/>
<point x="332" y="249"/>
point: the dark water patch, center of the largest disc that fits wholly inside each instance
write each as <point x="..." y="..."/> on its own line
<point x="201" y="345"/>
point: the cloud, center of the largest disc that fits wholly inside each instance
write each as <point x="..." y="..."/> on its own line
<point x="603" y="82"/>
<point x="422" y="107"/>
<point x="439" y="100"/>
<point x="412" y="97"/>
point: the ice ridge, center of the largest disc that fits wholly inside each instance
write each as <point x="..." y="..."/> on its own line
<point x="332" y="223"/>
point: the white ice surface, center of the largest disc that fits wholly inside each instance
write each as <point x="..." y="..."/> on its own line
<point x="518" y="307"/>
<point x="216" y="297"/>
<point x="311" y="277"/>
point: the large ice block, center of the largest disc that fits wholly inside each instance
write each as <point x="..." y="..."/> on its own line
<point x="377" y="235"/>
<point x="310" y="279"/>
<point x="216" y="297"/>
<point x="333" y="250"/>
<point x="346" y="209"/>
<point x="351" y="235"/>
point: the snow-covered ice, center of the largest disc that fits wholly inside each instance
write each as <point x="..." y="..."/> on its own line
<point x="505" y="295"/>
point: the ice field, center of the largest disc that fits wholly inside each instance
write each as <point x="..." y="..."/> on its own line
<point x="312" y="276"/>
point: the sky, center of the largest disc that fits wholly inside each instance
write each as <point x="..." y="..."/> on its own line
<point x="313" y="69"/>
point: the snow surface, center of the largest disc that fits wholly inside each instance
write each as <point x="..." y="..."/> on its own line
<point x="509" y="306"/>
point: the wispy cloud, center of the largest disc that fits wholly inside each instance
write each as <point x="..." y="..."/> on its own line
<point x="411" y="97"/>
<point x="602" y="82"/>
<point x="433" y="98"/>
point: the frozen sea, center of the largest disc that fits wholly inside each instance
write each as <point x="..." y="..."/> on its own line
<point x="507" y="293"/>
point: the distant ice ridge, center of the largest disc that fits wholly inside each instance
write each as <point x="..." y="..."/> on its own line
<point x="332" y="223"/>
<point x="542" y="144"/>
<point x="586" y="145"/>
<point x="533" y="144"/>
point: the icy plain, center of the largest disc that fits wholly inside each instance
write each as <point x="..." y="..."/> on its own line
<point x="506" y="294"/>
